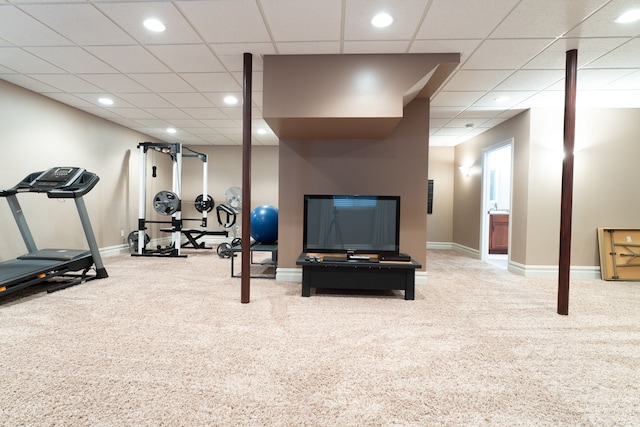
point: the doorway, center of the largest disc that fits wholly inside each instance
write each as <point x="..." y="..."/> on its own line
<point x="497" y="166"/>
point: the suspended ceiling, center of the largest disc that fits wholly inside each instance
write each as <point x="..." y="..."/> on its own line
<point x="78" y="51"/>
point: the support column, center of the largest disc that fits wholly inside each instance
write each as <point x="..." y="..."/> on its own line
<point x="245" y="276"/>
<point x="564" y="264"/>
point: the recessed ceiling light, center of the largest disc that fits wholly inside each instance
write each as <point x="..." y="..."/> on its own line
<point x="502" y="99"/>
<point x="171" y="130"/>
<point x="230" y="99"/>
<point x="105" y="101"/>
<point x="630" y="16"/>
<point x="153" y="24"/>
<point x="381" y="20"/>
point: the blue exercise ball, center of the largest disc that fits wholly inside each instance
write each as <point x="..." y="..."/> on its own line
<point x="264" y="224"/>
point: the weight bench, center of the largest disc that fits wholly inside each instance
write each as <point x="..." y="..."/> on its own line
<point x="194" y="234"/>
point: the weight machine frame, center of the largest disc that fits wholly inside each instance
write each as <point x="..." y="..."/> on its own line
<point x="175" y="151"/>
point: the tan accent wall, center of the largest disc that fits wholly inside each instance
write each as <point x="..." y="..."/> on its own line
<point x="346" y="96"/>
<point x="441" y="169"/>
<point x="468" y="190"/>
<point x="393" y="166"/>
<point x="605" y="169"/>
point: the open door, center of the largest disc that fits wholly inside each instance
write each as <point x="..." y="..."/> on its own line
<point x="495" y="239"/>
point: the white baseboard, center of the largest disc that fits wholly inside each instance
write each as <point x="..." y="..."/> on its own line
<point x="439" y="245"/>
<point x="577" y="272"/>
<point x="289" y="275"/>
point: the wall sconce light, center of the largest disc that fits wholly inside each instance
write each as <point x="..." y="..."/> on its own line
<point x="466" y="170"/>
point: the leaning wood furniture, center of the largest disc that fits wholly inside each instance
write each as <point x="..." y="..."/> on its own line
<point x="619" y="253"/>
<point x="359" y="274"/>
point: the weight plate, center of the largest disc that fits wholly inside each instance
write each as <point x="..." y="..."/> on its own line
<point x="224" y="250"/>
<point x="204" y="205"/>
<point x="166" y="203"/>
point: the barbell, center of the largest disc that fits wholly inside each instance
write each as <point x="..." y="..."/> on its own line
<point x="167" y="203"/>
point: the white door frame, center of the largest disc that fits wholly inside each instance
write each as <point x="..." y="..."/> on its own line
<point x="484" y="217"/>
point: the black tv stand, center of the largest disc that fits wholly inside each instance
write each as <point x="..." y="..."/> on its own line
<point x="373" y="274"/>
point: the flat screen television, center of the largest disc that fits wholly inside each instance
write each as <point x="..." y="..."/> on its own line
<point x="345" y="223"/>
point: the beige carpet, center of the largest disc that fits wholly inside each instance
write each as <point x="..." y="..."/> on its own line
<point x="166" y="342"/>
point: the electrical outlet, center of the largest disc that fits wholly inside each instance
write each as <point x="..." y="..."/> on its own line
<point x="628" y="239"/>
<point x="121" y="233"/>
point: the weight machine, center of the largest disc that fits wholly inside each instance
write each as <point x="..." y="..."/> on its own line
<point x="169" y="203"/>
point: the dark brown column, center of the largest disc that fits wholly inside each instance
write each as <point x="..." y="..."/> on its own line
<point x="245" y="277"/>
<point x="564" y="266"/>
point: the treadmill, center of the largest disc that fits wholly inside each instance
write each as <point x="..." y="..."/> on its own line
<point x="67" y="266"/>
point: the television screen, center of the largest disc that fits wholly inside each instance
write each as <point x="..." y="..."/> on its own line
<point x="341" y="223"/>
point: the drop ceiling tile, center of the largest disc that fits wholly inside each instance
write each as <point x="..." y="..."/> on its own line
<point x="440" y="141"/>
<point x="256" y="79"/>
<point x="172" y="113"/>
<point x="132" y="113"/>
<point x="531" y="80"/>
<point x="515" y="98"/>
<point x="235" y="63"/>
<point x="474" y="80"/>
<point x="67" y="83"/>
<point x="544" y="99"/>
<point x="129" y="59"/>
<point x="295" y="20"/>
<point x="69" y="99"/>
<point x="27" y="82"/>
<point x="625" y="56"/>
<point x="463" y="47"/>
<point x="187" y="124"/>
<point x="162" y="82"/>
<point x="187" y="58"/>
<point x="386" y="46"/>
<point x="204" y="114"/>
<point x="554" y="56"/>
<point x="21" y="61"/>
<point x="437" y="123"/>
<point x="113" y="83"/>
<point x="12" y="29"/>
<point x="217" y="98"/>
<point x="476" y="113"/>
<point x="186" y="100"/>
<point x="532" y="18"/>
<point x="505" y="54"/>
<point x="238" y="49"/>
<point x="451" y="131"/>
<point x="93" y="98"/>
<point x="602" y="24"/>
<point x="71" y="59"/>
<point x="406" y="18"/>
<point x="233" y="112"/>
<point x="444" y="112"/>
<point x="82" y="23"/>
<point x="455" y="99"/>
<point x="303" y="48"/>
<point x="130" y="16"/>
<point x="463" y="19"/>
<point x="630" y="81"/>
<point x="227" y="21"/>
<point x="212" y="82"/>
<point x="145" y="100"/>
<point x="593" y="79"/>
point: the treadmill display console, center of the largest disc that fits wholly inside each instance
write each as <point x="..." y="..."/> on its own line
<point x="58" y="177"/>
